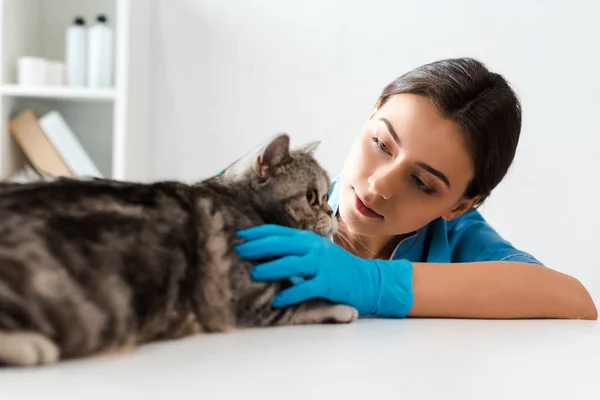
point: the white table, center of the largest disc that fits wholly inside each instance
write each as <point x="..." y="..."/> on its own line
<point x="370" y="359"/>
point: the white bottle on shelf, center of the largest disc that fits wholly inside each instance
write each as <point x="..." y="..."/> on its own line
<point x="100" y="54"/>
<point x="76" y="54"/>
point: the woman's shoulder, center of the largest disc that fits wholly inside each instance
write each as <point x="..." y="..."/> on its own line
<point x="471" y="238"/>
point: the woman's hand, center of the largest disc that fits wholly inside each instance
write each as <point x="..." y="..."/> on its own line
<point x="372" y="286"/>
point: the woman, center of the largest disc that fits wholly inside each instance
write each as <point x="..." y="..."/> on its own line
<point x="411" y="242"/>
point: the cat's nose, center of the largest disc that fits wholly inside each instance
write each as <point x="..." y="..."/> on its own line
<point x="329" y="211"/>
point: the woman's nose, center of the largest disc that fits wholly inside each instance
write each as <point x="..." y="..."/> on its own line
<point x="383" y="180"/>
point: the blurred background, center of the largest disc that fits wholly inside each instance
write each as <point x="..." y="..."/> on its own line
<point x="194" y="84"/>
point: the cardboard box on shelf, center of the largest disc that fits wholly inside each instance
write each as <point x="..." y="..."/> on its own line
<point x="51" y="147"/>
<point x="38" y="149"/>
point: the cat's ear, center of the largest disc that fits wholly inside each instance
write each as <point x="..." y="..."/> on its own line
<point x="310" y="148"/>
<point x="273" y="154"/>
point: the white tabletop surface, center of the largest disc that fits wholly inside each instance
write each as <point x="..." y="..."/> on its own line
<point x="369" y="359"/>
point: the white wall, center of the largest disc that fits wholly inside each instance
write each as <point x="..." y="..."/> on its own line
<point x="230" y="73"/>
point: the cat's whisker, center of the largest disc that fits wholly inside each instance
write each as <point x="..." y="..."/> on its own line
<point x="350" y="245"/>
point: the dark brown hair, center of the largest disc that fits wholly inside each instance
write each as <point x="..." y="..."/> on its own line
<point x="481" y="103"/>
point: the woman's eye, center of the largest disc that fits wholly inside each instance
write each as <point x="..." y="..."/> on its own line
<point x="311" y="197"/>
<point x="381" y="145"/>
<point x="422" y="186"/>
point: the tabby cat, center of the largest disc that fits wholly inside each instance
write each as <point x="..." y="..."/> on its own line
<point x="92" y="266"/>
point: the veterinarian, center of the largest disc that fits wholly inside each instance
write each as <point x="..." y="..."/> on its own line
<point x="411" y="242"/>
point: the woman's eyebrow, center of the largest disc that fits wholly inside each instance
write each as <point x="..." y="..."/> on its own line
<point x="435" y="172"/>
<point x="391" y="129"/>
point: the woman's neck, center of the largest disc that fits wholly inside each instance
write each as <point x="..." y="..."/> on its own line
<point x="366" y="246"/>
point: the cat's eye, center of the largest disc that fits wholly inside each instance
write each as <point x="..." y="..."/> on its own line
<point x="311" y="197"/>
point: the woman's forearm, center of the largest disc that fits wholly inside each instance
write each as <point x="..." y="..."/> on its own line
<point x="498" y="289"/>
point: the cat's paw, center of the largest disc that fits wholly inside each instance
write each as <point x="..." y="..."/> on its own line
<point x="317" y="311"/>
<point x="27" y="349"/>
<point x="343" y="313"/>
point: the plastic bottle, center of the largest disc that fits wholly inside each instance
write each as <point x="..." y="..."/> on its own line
<point x="75" y="53"/>
<point x="100" y="54"/>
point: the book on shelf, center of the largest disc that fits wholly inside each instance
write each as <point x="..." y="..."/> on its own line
<point x="51" y="146"/>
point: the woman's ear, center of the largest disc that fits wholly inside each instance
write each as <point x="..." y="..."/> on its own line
<point x="464" y="205"/>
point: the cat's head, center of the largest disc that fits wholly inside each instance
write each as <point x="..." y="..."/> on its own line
<point x="291" y="181"/>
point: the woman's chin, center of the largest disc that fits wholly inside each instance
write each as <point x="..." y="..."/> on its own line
<point x="359" y="224"/>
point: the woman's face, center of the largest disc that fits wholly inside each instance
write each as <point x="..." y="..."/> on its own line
<point x="407" y="167"/>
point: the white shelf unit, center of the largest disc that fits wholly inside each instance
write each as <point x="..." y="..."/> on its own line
<point x="111" y="123"/>
<point x="62" y="92"/>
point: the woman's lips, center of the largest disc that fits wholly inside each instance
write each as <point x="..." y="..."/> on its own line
<point x="364" y="209"/>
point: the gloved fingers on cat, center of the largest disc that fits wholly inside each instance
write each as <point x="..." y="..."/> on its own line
<point x="284" y="267"/>
<point x="270" y="247"/>
<point x="266" y="230"/>
<point x="297" y="293"/>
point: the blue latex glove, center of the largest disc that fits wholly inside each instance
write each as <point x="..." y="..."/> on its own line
<point x="374" y="287"/>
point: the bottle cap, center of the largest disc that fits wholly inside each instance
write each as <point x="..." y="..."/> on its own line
<point x="79" y="21"/>
<point x="101" y="18"/>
